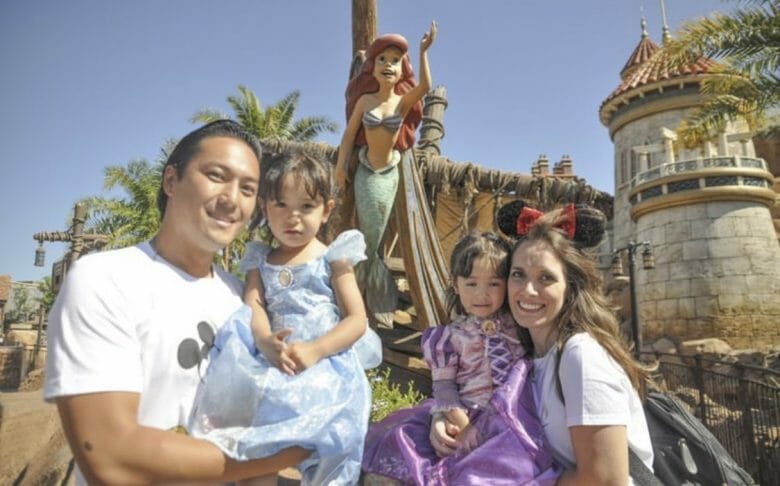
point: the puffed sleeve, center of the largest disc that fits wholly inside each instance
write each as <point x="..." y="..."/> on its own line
<point x="349" y="245"/>
<point x="256" y="253"/>
<point x="442" y="359"/>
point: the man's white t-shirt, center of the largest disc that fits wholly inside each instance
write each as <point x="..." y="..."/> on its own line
<point x="597" y="391"/>
<point x="127" y="320"/>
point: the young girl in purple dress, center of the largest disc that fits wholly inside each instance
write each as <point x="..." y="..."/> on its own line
<point x="481" y="386"/>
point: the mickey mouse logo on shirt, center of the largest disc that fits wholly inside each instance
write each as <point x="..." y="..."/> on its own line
<point x="191" y="353"/>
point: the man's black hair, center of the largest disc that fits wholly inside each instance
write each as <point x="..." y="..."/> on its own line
<point x="188" y="147"/>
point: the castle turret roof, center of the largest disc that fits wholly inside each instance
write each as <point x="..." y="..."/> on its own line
<point x="643" y="51"/>
<point x="650" y="64"/>
<point x="658" y="68"/>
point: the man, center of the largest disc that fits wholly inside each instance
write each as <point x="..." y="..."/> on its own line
<point x="129" y="331"/>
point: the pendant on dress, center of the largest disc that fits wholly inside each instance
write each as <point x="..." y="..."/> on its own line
<point x="489" y="327"/>
<point x="286" y="277"/>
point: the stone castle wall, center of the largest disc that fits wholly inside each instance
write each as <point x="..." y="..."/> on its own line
<point x="717" y="274"/>
<point x="646" y="135"/>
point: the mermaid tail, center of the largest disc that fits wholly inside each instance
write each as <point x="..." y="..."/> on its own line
<point x="374" y="197"/>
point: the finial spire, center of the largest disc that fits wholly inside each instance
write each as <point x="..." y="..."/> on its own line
<point x="644" y="27"/>
<point x="666" y="37"/>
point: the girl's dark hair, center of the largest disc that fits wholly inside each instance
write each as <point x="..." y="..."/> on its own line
<point x="313" y="174"/>
<point x="471" y="247"/>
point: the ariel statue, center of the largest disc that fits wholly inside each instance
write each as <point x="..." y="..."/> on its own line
<point x="384" y="108"/>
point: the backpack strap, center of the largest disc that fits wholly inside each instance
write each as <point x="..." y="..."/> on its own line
<point x="639" y="472"/>
<point x="637" y="469"/>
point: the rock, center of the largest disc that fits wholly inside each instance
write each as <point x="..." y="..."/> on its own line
<point x="704" y="346"/>
<point x="665" y="345"/>
<point x="750" y="357"/>
<point x="33" y="381"/>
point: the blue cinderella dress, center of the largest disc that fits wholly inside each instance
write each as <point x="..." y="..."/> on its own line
<point x="250" y="409"/>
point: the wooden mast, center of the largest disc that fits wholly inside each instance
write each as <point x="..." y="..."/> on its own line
<point x="363" y="24"/>
<point x="364" y="27"/>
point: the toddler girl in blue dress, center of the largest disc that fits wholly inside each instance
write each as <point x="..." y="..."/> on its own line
<point x="287" y="369"/>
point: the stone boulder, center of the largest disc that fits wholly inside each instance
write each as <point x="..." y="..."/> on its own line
<point x="665" y="346"/>
<point x="707" y="346"/>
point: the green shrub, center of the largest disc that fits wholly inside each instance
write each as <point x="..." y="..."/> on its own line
<point x="387" y="397"/>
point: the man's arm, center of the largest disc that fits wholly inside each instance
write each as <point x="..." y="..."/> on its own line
<point x="110" y="446"/>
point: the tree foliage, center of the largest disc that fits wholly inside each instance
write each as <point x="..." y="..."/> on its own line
<point x="746" y="81"/>
<point x="277" y="120"/>
<point x="133" y="216"/>
<point x="46" y="300"/>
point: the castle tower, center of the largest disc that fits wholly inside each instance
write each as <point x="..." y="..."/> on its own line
<point x="705" y="211"/>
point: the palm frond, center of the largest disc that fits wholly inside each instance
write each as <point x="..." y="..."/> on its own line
<point x="306" y="129"/>
<point x="286" y="111"/>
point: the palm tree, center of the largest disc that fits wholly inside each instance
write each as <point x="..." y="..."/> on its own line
<point x="276" y="120"/>
<point x="134" y="218"/>
<point x="746" y="82"/>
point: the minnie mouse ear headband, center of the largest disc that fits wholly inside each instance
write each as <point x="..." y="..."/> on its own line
<point x="582" y="224"/>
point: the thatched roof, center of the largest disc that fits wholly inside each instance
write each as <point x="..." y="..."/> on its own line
<point x="443" y="174"/>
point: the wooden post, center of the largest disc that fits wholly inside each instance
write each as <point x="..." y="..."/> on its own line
<point x="77" y="234"/>
<point x="38" y="338"/>
<point x="432" y="128"/>
<point x="364" y="24"/>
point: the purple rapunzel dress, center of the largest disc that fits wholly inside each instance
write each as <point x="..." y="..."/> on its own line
<point x="478" y="365"/>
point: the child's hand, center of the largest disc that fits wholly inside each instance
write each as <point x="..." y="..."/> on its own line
<point x="457" y="417"/>
<point x="303" y="354"/>
<point x="468" y="438"/>
<point x="277" y="351"/>
<point x="442" y="435"/>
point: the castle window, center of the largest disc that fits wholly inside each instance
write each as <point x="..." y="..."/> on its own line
<point x="623" y="169"/>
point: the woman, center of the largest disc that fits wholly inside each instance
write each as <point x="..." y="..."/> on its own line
<point x="384" y="108"/>
<point x="586" y="384"/>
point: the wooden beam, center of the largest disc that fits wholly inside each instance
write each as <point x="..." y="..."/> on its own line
<point x="364" y="24"/>
<point x="410" y="363"/>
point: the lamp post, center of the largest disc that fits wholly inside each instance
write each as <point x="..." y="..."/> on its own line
<point x="79" y="242"/>
<point x="648" y="262"/>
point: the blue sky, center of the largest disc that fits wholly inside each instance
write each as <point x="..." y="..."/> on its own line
<point x="85" y="84"/>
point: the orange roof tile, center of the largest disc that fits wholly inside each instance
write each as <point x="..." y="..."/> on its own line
<point x="643" y="51"/>
<point x="649" y="64"/>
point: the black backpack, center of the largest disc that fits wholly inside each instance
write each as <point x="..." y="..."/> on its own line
<point x="685" y="451"/>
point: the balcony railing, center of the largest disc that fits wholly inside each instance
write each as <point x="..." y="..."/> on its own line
<point x="694" y="165"/>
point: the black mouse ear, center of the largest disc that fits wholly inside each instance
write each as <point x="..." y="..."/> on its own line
<point x="590" y="226"/>
<point x="506" y="219"/>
